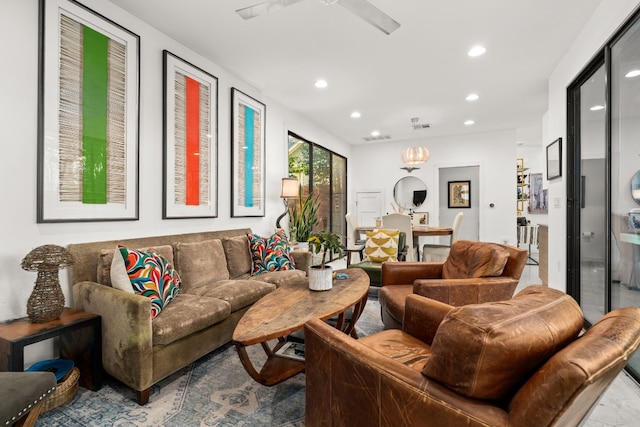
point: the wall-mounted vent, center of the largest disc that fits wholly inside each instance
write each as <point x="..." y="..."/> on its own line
<point x="376" y="138"/>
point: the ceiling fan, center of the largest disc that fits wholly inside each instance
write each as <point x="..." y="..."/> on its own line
<point x="361" y="8"/>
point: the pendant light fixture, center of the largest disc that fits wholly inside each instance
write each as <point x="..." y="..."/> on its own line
<point x="415" y="155"/>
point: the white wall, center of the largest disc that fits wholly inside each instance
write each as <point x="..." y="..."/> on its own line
<point x="19" y="232"/>
<point x="377" y="166"/>
<point x="604" y="22"/>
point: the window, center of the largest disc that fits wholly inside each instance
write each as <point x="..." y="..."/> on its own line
<point x="323" y="173"/>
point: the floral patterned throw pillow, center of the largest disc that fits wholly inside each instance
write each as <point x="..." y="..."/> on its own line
<point x="151" y="276"/>
<point x="270" y="253"/>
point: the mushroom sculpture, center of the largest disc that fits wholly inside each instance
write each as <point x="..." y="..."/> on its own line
<point x="47" y="300"/>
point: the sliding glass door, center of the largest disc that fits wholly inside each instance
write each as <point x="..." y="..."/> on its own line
<point x="603" y="181"/>
<point x="322" y="173"/>
<point x="625" y="165"/>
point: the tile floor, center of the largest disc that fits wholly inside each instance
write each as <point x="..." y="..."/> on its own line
<point x="619" y="406"/>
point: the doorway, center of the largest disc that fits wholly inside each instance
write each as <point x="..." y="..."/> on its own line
<point x="369" y="205"/>
<point x="470" y="227"/>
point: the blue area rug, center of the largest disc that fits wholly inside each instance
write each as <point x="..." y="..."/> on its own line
<point x="214" y="391"/>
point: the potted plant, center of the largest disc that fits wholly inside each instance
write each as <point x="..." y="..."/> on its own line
<point x="321" y="276"/>
<point x="303" y="218"/>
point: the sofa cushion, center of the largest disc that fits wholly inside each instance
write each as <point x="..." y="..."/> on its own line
<point x="381" y="245"/>
<point x="238" y="293"/>
<point x="238" y="254"/>
<point x="468" y="259"/>
<point x="399" y="346"/>
<point x="481" y="350"/>
<point x="280" y="278"/>
<point x="150" y="275"/>
<point x="200" y="263"/>
<point x="269" y="253"/>
<point x="105" y="261"/>
<point x="188" y="314"/>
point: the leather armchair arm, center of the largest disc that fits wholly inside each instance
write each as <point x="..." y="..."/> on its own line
<point x="404" y="273"/>
<point x="127" y="334"/>
<point x="422" y="316"/>
<point x="457" y="292"/>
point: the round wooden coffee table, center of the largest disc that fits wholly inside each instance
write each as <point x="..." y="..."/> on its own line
<point x="286" y="310"/>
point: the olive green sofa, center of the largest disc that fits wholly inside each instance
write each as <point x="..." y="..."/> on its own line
<point x="217" y="289"/>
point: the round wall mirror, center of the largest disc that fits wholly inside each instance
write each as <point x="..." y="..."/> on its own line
<point x="635" y="187"/>
<point x="410" y="192"/>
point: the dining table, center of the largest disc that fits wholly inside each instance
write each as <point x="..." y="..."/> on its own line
<point x="416" y="230"/>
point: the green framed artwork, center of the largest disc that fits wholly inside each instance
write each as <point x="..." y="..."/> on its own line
<point x="88" y="116"/>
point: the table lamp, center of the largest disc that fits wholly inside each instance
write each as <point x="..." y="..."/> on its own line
<point x="288" y="191"/>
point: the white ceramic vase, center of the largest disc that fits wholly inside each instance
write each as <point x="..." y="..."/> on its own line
<point x="320" y="279"/>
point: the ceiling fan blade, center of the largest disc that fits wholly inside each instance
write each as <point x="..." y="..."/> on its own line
<point x="264" y="8"/>
<point x="371" y="14"/>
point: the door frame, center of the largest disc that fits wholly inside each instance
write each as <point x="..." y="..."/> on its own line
<point x="481" y="192"/>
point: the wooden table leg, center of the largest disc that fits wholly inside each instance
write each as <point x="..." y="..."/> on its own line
<point x="275" y="370"/>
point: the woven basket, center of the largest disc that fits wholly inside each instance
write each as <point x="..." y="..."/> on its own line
<point x="64" y="392"/>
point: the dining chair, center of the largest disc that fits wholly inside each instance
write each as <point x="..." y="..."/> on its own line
<point x="436" y="252"/>
<point x="402" y="222"/>
<point x="355" y="243"/>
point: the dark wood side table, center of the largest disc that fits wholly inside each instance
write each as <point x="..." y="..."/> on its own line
<point x="80" y="336"/>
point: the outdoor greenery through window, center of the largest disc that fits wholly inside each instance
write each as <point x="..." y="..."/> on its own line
<point x="322" y="175"/>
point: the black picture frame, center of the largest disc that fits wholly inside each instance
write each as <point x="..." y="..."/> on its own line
<point x="107" y="189"/>
<point x="178" y="201"/>
<point x="554" y="159"/>
<point x="247" y="166"/>
<point x="459" y="194"/>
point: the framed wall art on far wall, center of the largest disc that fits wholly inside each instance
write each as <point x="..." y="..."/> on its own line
<point x="88" y="116"/>
<point x="538" y="203"/>
<point x="459" y="194"/>
<point x="554" y="159"/>
<point x="248" y="130"/>
<point x="190" y="140"/>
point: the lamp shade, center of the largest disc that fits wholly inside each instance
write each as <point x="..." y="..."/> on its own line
<point x="415" y="155"/>
<point x="289" y="188"/>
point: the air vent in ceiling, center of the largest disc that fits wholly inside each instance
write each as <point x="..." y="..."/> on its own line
<point x="421" y="126"/>
<point x="376" y="138"/>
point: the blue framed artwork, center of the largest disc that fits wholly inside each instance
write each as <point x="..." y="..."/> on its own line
<point x="248" y="129"/>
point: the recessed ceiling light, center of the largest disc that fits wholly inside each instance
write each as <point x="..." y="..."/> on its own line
<point x="633" y="73"/>
<point x="597" y="108"/>
<point x="356" y="115"/>
<point x="320" y="84"/>
<point x="472" y="97"/>
<point x="375" y="133"/>
<point x="476" y="51"/>
<point x="469" y="122"/>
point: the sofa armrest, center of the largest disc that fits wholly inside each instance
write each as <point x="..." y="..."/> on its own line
<point x="404" y="273"/>
<point x="127" y="334"/>
<point x="346" y="380"/>
<point x="459" y="292"/>
<point x="302" y="260"/>
<point x="422" y="316"/>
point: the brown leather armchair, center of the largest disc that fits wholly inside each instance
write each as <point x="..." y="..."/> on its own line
<point x="511" y="363"/>
<point x="474" y="272"/>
